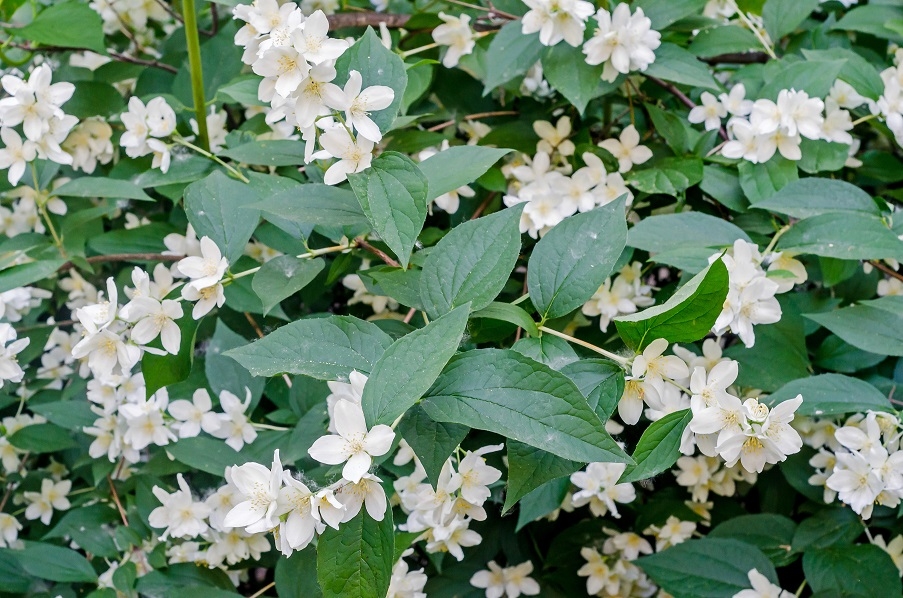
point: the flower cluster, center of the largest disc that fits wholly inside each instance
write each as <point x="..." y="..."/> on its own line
<point x="36" y="105"/>
<point x="619" y="295"/>
<point x="296" y="58"/>
<point x="145" y="128"/>
<point x="509" y="582"/>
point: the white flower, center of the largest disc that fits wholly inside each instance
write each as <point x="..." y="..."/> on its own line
<point x="367" y="491"/>
<point x="510" y="581"/>
<point x="285" y="65"/>
<point x="654" y="368"/>
<point x="735" y="102"/>
<point x="234" y="426"/>
<point x="299" y="502"/>
<point x="260" y="487"/>
<point x="313" y="42"/>
<point x="9" y="366"/>
<point x="710" y="112"/>
<point x="557" y="20"/>
<point x="353" y="391"/>
<point x="627" y="149"/>
<point x="315" y="92"/>
<point x="674" y="531"/>
<point x="145" y="423"/>
<point x="206" y="299"/>
<point x="16" y="154"/>
<point x="623" y="42"/>
<point x="179" y="514"/>
<point x="358" y="104"/>
<point x="474" y="476"/>
<point x="596" y="571"/>
<point x="456" y="34"/>
<point x="9" y="530"/>
<point x="353" y="442"/>
<point x="155" y="318"/>
<point x="194" y="415"/>
<point x="206" y="270"/>
<point x="800" y="114"/>
<point x="600" y="489"/>
<point x="52" y="496"/>
<point x="762" y="588"/>
<point x="354" y="154"/>
<point x="405" y="583"/>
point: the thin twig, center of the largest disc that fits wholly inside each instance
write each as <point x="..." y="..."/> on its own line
<point x="115" y="55"/>
<point x="886" y="269"/>
<point x="737" y="58"/>
<point x="122" y="515"/>
<point x="124" y="257"/>
<point x="482" y="207"/>
<point x="475" y="116"/>
<point x="262" y="590"/>
<point x="682" y="97"/>
<point x="360" y="242"/>
<point x="49" y="325"/>
<point x="366" y="19"/>
<point x="411" y="312"/>
<point x="591" y="347"/>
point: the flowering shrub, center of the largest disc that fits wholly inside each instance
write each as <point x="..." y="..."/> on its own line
<point x="520" y="298"/>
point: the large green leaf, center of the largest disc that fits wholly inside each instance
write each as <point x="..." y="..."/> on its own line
<point x="664" y="12"/>
<point x="686" y="317"/>
<point x="355" y="561"/>
<point x="831" y="394"/>
<point x="566" y="69"/>
<point x="42" y="438"/>
<point x="324" y="348"/>
<point x="471" y="263"/>
<point x="872" y="20"/>
<point x="760" y="181"/>
<point x="690" y="237"/>
<point x="600" y="381"/>
<point x="828" y="527"/>
<point x="433" y="442"/>
<point x="409" y="367"/>
<point x="222" y="372"/>
<point x="815" y="77"/>
<point x="55" y="563"/>
<point x="875" y="326"/>
<point x="162" y="370"/>
<point x="507" y="393"/>
<point x="659" y="446"/>
<point x="673" y="63"/>
<point x="770" y="533"/>
<point x="706" y="568"/>
<point x="270" y="152"/>
<point x="97" y="186"/>
<point x="458" y="166"/>
<point x="25" y="274"/>
<point x="282" y="277"/>
<point x="573" y="259"/>
<point x="214" y="208"/>
<point x="860" y="570"/>
<point x="511" y="54"/>
<point x="846" y="236"/>
<point x="808" y="197"/>
<point x="314" y="203"/>
<point x="377" y="66"/>
<point x="67" y="25"/>
<point x="781" y="17"/>
<point x="551" y="350"/>
<point x="393" y="193"/>
<point x="296" y="576"/>
<point x="529" y="468"/>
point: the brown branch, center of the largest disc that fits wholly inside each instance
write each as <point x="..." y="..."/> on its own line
<point x="886" y="269"/>
<point x="115" y="55"/>
<point x="682" y="97"/>
<point x="259" y="332"/>
<point x="360" y="242"/>
<point x="40" y="326"/>
<point x="737" y="58"/>
<point x="366" y="19"/>
<point x="482" y="207"/>
<point x="124" y="257"/>
<point x="125" y="520"/>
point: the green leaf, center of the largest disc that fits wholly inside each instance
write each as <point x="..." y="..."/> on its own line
<point x="600" y="381"/>
<point x="377" y="66"/>
<point x="458" y="166"/>
<point x="772" y="534"/>
<point x="511" y="54"/>
<point x="25" y="274"/>
<point x="860" y="570"/>
<point x="872" y="20"/>
<point x="815" y="77"/>
<point x="324" y="348"/>
<point x="433" y="442"/>
<point x="761" y="181"/>
<point x="15" y="580"/>
<point x="814" y="196"/>
<point x="296" y="576"/>
<point x="401" y="285"/>
<point x="706" y="568"/>
<point x="723" y="40"/>
<point x="87" y="525"/>
<point x="822" y="156"/>
<point x="529" y="468"/>
<point x="665" y="12"/>
<point x="471" y="263"/>
<point x="781" y="17"/>
<point x="512" y="395"/>
<point x="42" y="438"/>
<point x="55" y="563"/>
<point x="70" y="414"/>
<point x="839" y="356"/>
<point x="875" y="326"/>
<point x="686" y="317"/>
<point x="222" y="372"/>
<point x="675" y="132"/>
<point x="282" y="277"/>
<point x="241" y="90"/>
<point x="547" y="349"/>
<point x="314" y="203"/>
<point x="686" y="231"/>
<point x="508" y="313"/>
<point x="67" y="25"/>
<point x="566" y="70"/>
<point x="659" y="447"/>
<point x="858" y="72"/>
<point x="673" y="63"/>
<point x="162" y="370"/>
<point x="96" y="186"/>
<point x="669" y="176"/>
<point x="847" y="236"/>
<point x="828" y="527"/>
<point x="542" y="501"/>
<point x="143" y="239"/>
<point x="779" y="355"/>
<point x="213" y="205"/>
<point x="393" y="194"/>
<point x="410" y="366"/>
<point x="355" y="561"/>
<point x="723" y="185"/>
<point x="573" y="259"/>
<point x="831" y="394"/>
<point x="269" y="152"/>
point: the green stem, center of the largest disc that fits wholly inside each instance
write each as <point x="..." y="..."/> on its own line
<point x="774" y="240"/>
<point x="234" y="171"/>
<point x="193" y="41"/>
<point x="308" y="255"/>
<point x="614" y="357"/>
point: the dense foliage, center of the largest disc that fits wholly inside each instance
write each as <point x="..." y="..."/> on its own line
<point x="432" y="298"/>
